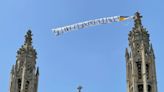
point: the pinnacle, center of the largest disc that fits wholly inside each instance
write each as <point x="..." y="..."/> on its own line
<point x="126" y="52"/>
<point x="37" y="71"/>
<point x="28" y="38"/>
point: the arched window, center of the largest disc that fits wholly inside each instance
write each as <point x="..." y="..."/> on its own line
<point x="140" y="88"/>
<point x="19" y="85"/>
<point x="26" y="86"/>
<point x="147" y="71"/>
<point x="149" y="88"/>
<point x="139" y="70"/>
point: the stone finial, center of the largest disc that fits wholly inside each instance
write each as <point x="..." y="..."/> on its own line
<point x="79" y="88"/>
<point x="28" y="38"/>
<point x="137" y="20"/>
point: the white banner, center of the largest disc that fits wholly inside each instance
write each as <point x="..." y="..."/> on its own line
<point x="89" y="23"/>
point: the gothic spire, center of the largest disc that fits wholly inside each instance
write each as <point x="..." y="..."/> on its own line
<point x="141" y="66"/>
<point x="28" y="38"/>
<point x="137" y="20"/>
<point x="24" y="76"/>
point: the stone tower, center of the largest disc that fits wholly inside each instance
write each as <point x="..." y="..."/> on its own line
<point x="24" y="75"/>
<point x="140" y="60"/>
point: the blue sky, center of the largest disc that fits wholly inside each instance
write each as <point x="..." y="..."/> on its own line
<point x="91" y="57"/>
